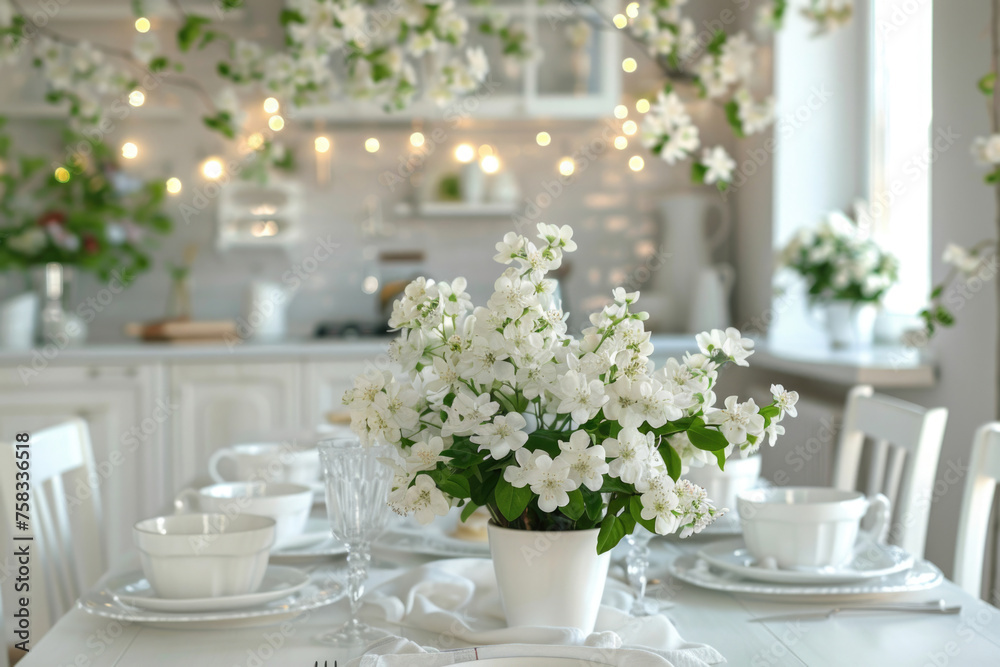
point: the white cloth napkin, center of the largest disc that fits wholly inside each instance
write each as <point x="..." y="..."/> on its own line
<point x="458" y="600"/>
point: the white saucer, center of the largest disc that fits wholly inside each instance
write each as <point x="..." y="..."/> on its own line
<point x="870" y="562"/>
<point x="530" y="661"/>
<point x="324" y="588"/>
<point x="693" y="570"/>
<point x="279" y="582"/>
<point x="430" y="541"/>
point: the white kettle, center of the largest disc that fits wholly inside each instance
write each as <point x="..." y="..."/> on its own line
<point x="266" y="317"/>
<point x="710" y="304"/>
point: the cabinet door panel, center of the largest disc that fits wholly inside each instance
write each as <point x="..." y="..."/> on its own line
<point x="222" y="404"/>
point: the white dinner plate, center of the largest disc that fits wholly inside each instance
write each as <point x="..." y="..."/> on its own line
<point x="430" y="541"/>
<point x="870" y="562"/>
<point x="279" y="582"/>
<point x="323" y="588"/>
<point x="694" y="570"/>
<point x="526" y="661"/>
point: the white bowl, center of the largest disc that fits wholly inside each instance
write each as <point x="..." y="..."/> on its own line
<point x="288" y="504"/>
<point x="804" y="527"/>
<point x="204" y="555"/>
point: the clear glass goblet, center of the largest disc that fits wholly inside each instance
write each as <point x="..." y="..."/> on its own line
<point x="636" y="564"/>
<point x="357" y="492"/>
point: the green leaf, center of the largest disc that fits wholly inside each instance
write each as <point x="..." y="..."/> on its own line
<point x="595" y="505"/>
<point x="455" y="486"/>
<point x="733" y="116"/>
<point x="612" y="485"/>
<point x="576" y="507"/>
<point x="672" y="459"/>
<point x="987" y="83"/>
<point x="937" y="292"/>
<point x="190" y="31"/>
<point x="545" y="440"/>
<point x="467" y="511"/>
<point x="698" y="171"/>
<point x="511" y="500"/>
<point x="715" y="46"/>
<point x="708" y="439"/>
<point x="611" y="533"/>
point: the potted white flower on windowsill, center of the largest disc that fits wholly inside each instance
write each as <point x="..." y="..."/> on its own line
<point x="570" y="443"/>
<point x="846" y="273"/>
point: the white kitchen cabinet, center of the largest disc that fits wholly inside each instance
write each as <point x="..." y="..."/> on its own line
<point x="220" y="404"/>
<point x="323" y="387"/>
<point x="128" y="417"/>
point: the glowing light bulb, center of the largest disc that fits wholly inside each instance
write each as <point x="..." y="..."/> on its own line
<point x="629" y="65"/>
<point x="567" y="166"/>
<point x="136" y="98"/>
<point x="621" y="111"/>
<point x="321" y="144"/>
<point x="211" y="168"/>
<point x="276" y="123"/>
<point x="632" y="10"/>
<point x="629" y="127"/>
<point x="485" y="150"/>
<point x="417" y="139"/>
<point x="372" y="145"/>
<point x="173" y="185"/>
<point x="129" y="150"/>
<point x="142" y="24"/>
<point x="621" y="143"/>
<point x="61" y="174"/>
<point x="465" y="153"/>
<point x="271" y="105"/>
<point x="490" y="164"/>
<point x="642" y="105"/>
<point x="620" y="21"/>
<point x="636" y="163"/>
<point x="255" y="141"/>
<point x="543" y="139"/>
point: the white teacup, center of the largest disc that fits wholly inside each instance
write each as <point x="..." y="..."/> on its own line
<point x="204" y="555"/>
<point x="723" y="486"/>
<point x="809" y="527"/>
<point x="288" y="504"/>
<point x="270" y="462"/>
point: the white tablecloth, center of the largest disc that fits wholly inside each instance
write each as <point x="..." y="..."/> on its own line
<point x="718" y="619"/>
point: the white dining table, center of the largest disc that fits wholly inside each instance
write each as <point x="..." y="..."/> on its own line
<point x="720" y="619"/>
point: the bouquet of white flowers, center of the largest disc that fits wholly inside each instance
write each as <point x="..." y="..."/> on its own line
<point x="839" y="262"/>
<point x="501" y="408"/>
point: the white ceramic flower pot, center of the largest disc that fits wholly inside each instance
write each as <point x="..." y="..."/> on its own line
<point x="549" y="578"/>
<point x="851" y="324"/>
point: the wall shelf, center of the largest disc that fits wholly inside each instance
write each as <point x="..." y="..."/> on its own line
<point x="454" y="209"/>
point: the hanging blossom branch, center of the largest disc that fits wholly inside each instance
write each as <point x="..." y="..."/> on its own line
<point x="975" y="261"/>
<point x="390" y="53"/>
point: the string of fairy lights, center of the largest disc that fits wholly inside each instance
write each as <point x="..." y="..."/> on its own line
<point x="213" y="167"/>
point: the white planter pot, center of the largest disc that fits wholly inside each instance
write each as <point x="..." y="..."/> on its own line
<point x="851" y="324"/>
<point x="549" y="578"/>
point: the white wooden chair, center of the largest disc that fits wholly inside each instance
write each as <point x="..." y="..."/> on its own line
<point x="906" y="443"/>
<point x="973" y="525"/>
<point x="65" y="520"/>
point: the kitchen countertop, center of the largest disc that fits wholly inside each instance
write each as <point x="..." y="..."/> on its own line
<point x="880" y="366"/>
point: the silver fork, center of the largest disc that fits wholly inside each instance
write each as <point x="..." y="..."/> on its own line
<point x="930" y="607"/>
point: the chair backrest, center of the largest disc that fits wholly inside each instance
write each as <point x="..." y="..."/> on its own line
<point x="906" y="443"/>
<point x="64" y="520"/>
<point x="973" y="524"/>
